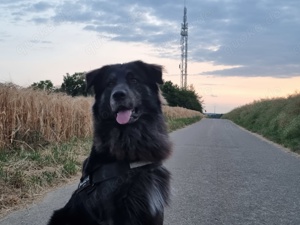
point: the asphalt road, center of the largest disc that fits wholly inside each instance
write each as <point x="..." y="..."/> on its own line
<point x="222" y="174"/>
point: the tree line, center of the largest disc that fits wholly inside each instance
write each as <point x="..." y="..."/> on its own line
<point x="75" y="85"/>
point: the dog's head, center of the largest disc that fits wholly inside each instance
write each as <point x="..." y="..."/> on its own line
<point x="125" y="92"/>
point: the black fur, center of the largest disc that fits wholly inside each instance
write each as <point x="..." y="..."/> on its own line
<point x="137" y="197"/>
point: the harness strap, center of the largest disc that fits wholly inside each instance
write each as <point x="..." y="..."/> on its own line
<point x="111" y="170"/>
<point x="104" y="173"/>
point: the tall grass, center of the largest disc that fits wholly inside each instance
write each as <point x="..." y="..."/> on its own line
<point x="30" y="118"/>
<point x="179" y="113"/>
<point x="178" y="117"/>
<point x="277" y="119"/>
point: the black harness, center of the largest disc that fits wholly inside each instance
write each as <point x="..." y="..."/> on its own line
<point x="103" y="173"/>
<point x="88" y="185"/>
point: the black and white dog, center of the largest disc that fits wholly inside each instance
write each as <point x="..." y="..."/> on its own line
<point x="123" y="180"/>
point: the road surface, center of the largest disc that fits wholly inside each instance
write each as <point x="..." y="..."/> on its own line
<point x="222" y="174"/>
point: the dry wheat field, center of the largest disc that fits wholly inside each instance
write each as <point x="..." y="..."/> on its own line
<point x="29" y="117"/>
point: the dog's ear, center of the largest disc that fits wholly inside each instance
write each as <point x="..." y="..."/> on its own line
<point x="90" y="77"/>
<point x="154" y="71"/>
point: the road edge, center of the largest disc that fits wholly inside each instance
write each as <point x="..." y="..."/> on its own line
<point x="282" y="148"/>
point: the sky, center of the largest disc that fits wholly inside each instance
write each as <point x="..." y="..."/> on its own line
<point x="238" y="50"/>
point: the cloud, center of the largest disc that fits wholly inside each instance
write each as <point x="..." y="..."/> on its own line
<point x="4" y="36"/>
<point x="35" y="41"/>
<point x="40" y="6"/>
<point x="10" y="2"/>
<point x="125" y="22"/>
<point x="260" y="37"/>
<point x="280" y="71"/>
<point x="39" y="20"/>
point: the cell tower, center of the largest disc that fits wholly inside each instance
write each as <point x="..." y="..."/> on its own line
<point x="184" y="49"/>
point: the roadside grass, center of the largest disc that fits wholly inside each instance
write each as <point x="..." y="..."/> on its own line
<point x="177" y="117"/>
<point x="277" y="119"/>
<point x="174" y="124"/>
<point x="25" y="174"/>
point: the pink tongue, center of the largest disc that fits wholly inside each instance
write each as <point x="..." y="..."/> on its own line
<point x="123" y="117"/>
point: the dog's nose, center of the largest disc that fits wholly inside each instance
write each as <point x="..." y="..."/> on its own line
<point x="119" y="95"/>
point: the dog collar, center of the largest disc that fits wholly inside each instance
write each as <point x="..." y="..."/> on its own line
<point x="139" y="164"/>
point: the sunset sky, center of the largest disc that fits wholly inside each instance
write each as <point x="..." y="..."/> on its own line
<point x="239" y="51"/>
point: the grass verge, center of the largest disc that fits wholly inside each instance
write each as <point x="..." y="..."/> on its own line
<point x="276" y="119"/>
<point x="26" y="174"/>
<point x="174" y="124"/>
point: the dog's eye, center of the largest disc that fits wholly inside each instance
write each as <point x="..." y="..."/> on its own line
<point x="133" y="80"/>
<point x="111" y="83"/>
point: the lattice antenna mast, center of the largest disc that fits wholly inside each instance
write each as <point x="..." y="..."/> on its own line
<point x="184" y="49"/>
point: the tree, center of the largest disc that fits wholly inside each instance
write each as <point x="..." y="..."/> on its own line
<point x="74" y="84"/>
<point x="187" y="98"/>
<point x="170" y="92"/>
<point x="45" y="85"/>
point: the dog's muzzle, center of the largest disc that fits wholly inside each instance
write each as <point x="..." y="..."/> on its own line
<point x="123" y="103"/>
